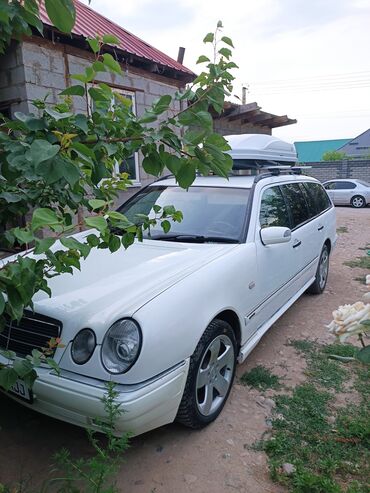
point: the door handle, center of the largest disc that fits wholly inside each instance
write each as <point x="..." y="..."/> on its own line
<point x="320" y="228"/>
<point x="297" y="243"/>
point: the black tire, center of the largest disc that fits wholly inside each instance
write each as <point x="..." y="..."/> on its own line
<point x="318" y="286"/>
<point x="194" y="399"/>
<point x="358" y="201"/>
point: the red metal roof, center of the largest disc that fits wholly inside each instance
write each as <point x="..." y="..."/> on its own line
<point x="90" y="23"/>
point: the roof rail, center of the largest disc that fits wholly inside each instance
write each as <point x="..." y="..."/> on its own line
<point x="278" y="170"/>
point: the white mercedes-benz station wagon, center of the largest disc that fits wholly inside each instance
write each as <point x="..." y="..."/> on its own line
<point x="169" y="319"/>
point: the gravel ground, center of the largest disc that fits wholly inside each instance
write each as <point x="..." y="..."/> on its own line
<point x="218" y="458"/>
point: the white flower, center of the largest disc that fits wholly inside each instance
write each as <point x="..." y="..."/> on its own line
<point x="347" y="320"/>
<point x="367" y="281"/>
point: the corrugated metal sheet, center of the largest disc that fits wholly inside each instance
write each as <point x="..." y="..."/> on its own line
<point x="312" y="151"/>
<point x="90" y="23"/>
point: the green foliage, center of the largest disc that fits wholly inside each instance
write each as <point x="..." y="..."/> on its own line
<point x="260" y="378"/>
<point x="57" y="165"/>
<point x="359" y="262"/>
<point x="18" y="18"/>
<point x="326" y="454"/>
<point x="334" y="156"/>
<point x="94" y="474"/>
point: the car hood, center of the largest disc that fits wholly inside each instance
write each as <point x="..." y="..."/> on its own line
<point x="113" y="285"/>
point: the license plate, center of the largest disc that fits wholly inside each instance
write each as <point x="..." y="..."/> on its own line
<point x="21" y="390"/>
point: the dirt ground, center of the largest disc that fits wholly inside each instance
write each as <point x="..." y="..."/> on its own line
<point x="218" y="458"/>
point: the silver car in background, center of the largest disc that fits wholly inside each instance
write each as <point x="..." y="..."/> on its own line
<point x="348" y="192"/>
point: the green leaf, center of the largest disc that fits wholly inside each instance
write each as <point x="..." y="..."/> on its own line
<point x="62" y="14"/>
<point x="2" y="304"/>
<point x="166" y="226"/>
<point x="43" y="245"/>
<point x="44" y="217"/>
<point x="8" y="377"/>
<point x="92" y="240"/>
<point x="73" y="244"/>
<point x="111" y="39"/>
<point x="76" y="90"/>
<point x="41" y="150"/>
<point x="97" y="222"/>
<point x="186" y="175"/>
<point x="23" y="235"/>
<point x="71" y="173"/>
<point x="98" y="95"/>
<point x="127" y="239"/>
<point x="366" y="323"/>
<point x="10" y="197"/>
<point x="94" y="44"/>
<point x="112" y="64"/>
<point x="98" y="66"/>
<point x="54" y="365"/>
<point x="30" y="121"/>
<point x="153" y="165"/>
<point x="227" y="41"/>
<point x="363" y="355"/>
<point x="225" y="52"/>
<point x="203" y="59"/>
<point x="209" y="38"/>
<point x="22" y="367"/>
<point x="57" y="115"/>
<point x="114" y="243"/>
<point x="97" y="203"/>
<point x="173" y="163"/>
<point x="81" y="122"/>
<point x="162" y="104"/>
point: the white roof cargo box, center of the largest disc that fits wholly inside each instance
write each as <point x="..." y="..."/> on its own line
<point x="258" y="148"/>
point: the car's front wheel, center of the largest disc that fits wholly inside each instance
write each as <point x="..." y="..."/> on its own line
<point x="210" y="377"/>
<point x="357" y="201"/>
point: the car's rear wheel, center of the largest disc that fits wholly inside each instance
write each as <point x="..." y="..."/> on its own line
<point x="318" y="286"/>
<point x="358" y="201"/>
<point x="210" y="377"/>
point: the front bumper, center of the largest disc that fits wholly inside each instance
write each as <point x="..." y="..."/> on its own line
<point x="145" y="406"/>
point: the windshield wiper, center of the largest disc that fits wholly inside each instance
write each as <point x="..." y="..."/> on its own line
<point x="193" y="238"/>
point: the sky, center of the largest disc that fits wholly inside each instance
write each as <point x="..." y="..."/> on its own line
<point x="308" y="59"/>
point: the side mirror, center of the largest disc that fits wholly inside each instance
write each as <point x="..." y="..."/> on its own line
<point x="274" y="235"/>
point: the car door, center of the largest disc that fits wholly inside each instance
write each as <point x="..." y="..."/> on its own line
<point x="343" y="192"/>
<point x="330" y="189"/>
<point x="305" y="245"/>
<point x="277" y="264"/>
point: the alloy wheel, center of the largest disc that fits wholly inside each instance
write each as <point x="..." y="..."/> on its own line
<point x="215" y="375"/>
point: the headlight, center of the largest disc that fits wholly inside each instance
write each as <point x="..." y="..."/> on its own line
<point x="83" y="346"/>
<point x="121" y="346"/>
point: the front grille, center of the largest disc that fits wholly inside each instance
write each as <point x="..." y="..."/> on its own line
<point x="33" y="331"/>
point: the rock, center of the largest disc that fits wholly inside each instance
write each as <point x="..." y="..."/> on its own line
<point x="260" y="400"/>
<point x="138" y="482"/>
<point x="288" y="468"/>
<point x="269" y="424"/>
<point x="331" y="420"/>
<point x="226" y="456"/>
<point x="190" y="478"/>
<point x="230" y="441"/>
<point x="270" y="403"/>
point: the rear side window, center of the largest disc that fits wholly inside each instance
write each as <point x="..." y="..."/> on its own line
<point x="344" y="185"/>
<point x="296" y="203"/>
<point x="329" y="186"/>
<point x="322" y="201"/>
<point x="273" y="211"/>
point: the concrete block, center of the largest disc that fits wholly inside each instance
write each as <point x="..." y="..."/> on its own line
<point x="36" y="56"/>
<point x="37" y="92"/>
<point x="57" y="63"/>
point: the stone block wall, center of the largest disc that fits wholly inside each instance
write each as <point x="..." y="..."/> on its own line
<point x="330" y="170"/>
<point x="37" y="68"/>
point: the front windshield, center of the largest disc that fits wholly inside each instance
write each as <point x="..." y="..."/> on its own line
<point x="211" y="212"/>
